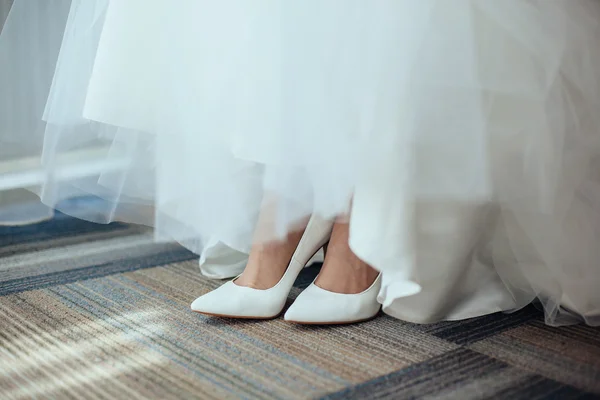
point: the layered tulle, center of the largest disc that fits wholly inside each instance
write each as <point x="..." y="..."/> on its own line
<point x="462" y="137"/>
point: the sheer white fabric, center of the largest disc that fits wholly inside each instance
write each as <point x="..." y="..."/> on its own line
<point x="465" y="133"/>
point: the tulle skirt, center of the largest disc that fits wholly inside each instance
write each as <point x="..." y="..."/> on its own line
<point x="462" y="138"/>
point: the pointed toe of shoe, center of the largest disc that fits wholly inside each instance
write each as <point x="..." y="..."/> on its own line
<point x="300" y="312"/>
<point x="233" y="301"/>
<point x="211" y="303"/>
<point x="199" y="305"/>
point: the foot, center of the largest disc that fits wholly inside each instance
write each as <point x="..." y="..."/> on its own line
<point x="268" y="261"/>
<point x="343" y="272"/>
<point x="345" y="292"/>
<point x="261" y="291"/>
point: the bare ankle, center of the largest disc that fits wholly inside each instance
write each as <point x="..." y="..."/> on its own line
<point x="268" y="262"/>
<point x="343" y="271"/>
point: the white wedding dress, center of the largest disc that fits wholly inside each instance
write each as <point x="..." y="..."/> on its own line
<point x="466" y="133"/>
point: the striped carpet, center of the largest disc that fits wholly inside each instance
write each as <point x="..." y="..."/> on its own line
<point x="101" y="312"/>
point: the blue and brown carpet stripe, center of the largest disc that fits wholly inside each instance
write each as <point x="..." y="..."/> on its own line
<point x="101" y="312"/>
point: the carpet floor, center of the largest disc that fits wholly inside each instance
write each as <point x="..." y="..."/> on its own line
<point x="101" y="312"/>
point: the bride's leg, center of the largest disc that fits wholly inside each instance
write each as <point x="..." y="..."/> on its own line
<point x="343" y="271"/>
<point x="268" y="261"/>
<point x="345" y="291"/>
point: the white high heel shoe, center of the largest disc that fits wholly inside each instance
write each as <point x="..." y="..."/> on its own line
<point x="321" y="307"/>
<point x="233" y="301"/>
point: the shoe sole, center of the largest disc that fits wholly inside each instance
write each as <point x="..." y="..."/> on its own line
<point x="357" y="321"/>
<point x="237" y="316"/>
